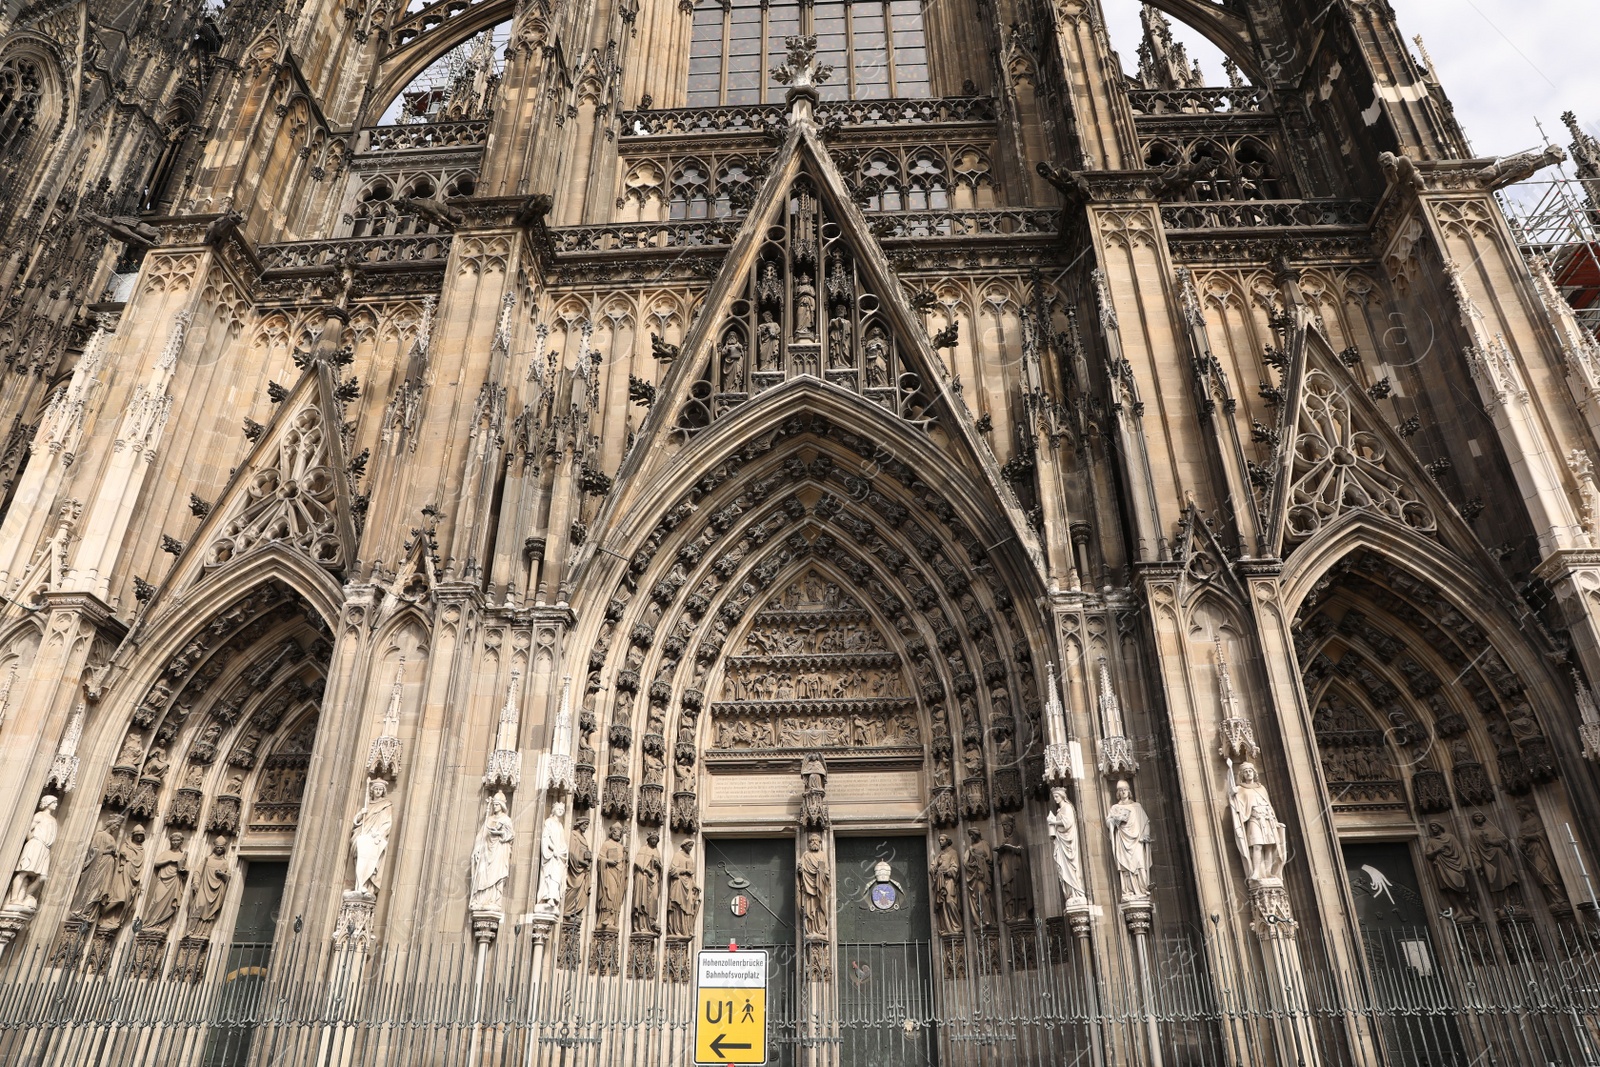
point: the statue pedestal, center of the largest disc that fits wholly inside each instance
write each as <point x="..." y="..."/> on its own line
<point x="356" y="911"/>
<point x="486" y="924"/>
<point x="13" y="919"/>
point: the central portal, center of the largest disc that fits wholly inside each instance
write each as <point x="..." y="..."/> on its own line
<point x="884" y="949"/>
<point x="884" y="964"/>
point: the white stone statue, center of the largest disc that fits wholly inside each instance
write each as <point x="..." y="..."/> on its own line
<point x="491" y="857"/>
<point x="369" y="838"/>
<point x="1256" y="828"/>
<point x="1130" y="844"/>
<point x="552" y="862"/>
<point x="1063" y="822"/>
<point x="34" y="865"/>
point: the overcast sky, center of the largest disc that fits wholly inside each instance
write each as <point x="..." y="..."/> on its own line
<point x="1503" y="63"/>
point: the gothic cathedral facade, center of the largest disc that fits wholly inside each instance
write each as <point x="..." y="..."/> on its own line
<point x="501" y="496"/>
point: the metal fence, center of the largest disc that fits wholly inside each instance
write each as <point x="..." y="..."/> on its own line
<point x="1031" y="995"/>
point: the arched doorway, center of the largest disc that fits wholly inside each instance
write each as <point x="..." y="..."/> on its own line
<point x="198" y="814"/>
<point x="1442" y="788"/>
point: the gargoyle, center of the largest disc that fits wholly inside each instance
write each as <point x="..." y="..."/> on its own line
<point x="222" y="227"/>
<point x="125" y="228"/>
<point x="534" y="209"/>
<point x="1175" y="181"/>
<point x="1508" y="170"/>
<point x="1400" y="171"/>
<point x="1073" y="185"/>
<point x="438" y="212"/>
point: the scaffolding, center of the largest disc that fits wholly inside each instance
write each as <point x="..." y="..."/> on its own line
<point x="1555" y="217"/>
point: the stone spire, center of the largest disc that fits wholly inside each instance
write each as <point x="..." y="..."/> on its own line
<point x="1163" y="62"/>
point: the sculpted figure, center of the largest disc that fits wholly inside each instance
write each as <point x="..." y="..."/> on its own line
<point x="1130" y="843"/>
<point x="768" y="335"/>
<point x="816" y="881"/>
<point x="814" y="771"/>
<point x="1011" y="858"/>
<point x="369" y="838"/>
<point x="1063" y="823"/>
<point x="613" y="880"/>
<point x="1536" y="854"/>
<point x="646" y="885"/>
<point x="580" y="862"/>
<point x="491" y="858"/>
<point x="947" y="888"/>
<point x="805" y="308"/>
<point x="839" y="351"/>
<point x="98" y="867"/>
<point x="683" y="893"/>
<point x="209" y="888"/>
<point x="732" y="365"/>
<point x="1449" y="863"/>
<point x="33" y="867"/>
<point x="126" y="879"/>
<point x="170" y="874"/>
<point x="1493" y="850"/>
<point x="1256" y="829"/>
<point x="979" y="870"/>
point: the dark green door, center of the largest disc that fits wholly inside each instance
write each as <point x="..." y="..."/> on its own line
<point x="749" y="899"/>
<point x="249" y="953"/>
<point x="885" y="950"/>
<point x="1409" y="985"/>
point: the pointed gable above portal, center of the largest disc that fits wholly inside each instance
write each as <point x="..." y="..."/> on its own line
<point x="293" y="490"/>
<point x="805" y="314"/>
<point x="809" y="304"/>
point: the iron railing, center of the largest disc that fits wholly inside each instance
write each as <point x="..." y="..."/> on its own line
<point x="1027" y="996"/>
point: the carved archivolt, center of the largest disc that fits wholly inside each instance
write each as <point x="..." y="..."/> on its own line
<point x="209" y="726"/>
<point x="1418" y="714"/>
<point x="939" y="683"/>
<point x="1339" y="467"/>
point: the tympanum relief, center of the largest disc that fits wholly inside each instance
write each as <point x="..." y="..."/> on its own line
<point x="814" y="671"/>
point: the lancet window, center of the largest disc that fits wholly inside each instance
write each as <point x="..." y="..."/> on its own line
<point x="878" y="49"/>
<point x="19" y="103"/>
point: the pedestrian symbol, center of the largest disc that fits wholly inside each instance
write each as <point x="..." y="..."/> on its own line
<point x="730" y="1026"/>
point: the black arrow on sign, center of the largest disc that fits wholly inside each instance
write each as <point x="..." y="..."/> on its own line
<point x="719" y="1044"/>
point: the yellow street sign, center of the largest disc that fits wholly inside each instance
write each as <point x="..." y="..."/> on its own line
<point x="730" y="1022"/>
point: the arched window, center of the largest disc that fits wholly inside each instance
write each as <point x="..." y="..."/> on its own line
<point x="19" y="103"/>
<point x="877" y="49"/>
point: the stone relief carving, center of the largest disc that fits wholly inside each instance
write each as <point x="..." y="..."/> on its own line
<point x="813" y="671"/>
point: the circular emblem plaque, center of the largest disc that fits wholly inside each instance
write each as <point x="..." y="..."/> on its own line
<point x="884" y="896"/>
<point x="739" y="905"/>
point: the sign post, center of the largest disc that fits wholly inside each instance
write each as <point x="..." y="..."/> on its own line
<point x="730" y="1022"/>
